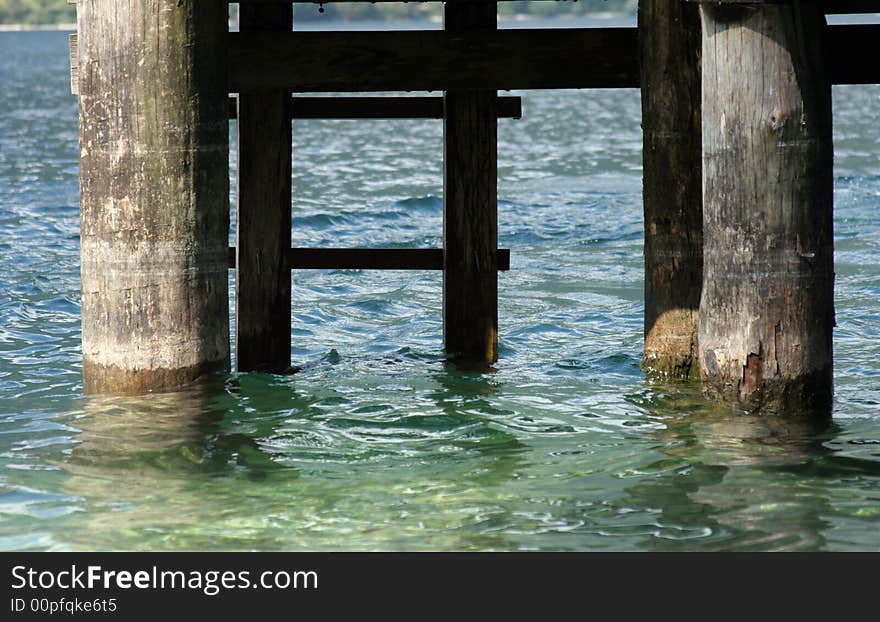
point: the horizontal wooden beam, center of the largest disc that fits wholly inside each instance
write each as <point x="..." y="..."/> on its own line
<point x="434" y="60"/>
<point x="829" y="6"/>
<point x="503" y="59"/>
<point x="371" y="258"/>
<point x="380" y="108"/>
<point x="849" y="46"/>
<point x="850" y="6"/>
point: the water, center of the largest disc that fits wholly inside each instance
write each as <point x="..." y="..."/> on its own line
<point x="377" y="444"/>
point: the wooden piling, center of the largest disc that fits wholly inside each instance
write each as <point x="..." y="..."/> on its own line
<point x="766" y="313"/>
<point x="154" y="192"/>
<point x="669" y="50"/>
<point x="470" y="211"/>
<point x="263" y="280"/>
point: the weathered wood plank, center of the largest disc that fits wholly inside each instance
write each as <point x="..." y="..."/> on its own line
<point x="370" y="258"/>
<point x="831" y="7"/>
<point x="672" y="188"/>
<point x="767" y="307"/>
<point x="847" y="48"/>
<point x="154" y="184"/>
<point x="470" y="209"/>
<point x="309" y="62"/>
<point x="505" y="59"/>
<point x="263" y="280"/>
<point x="379" y="108"/>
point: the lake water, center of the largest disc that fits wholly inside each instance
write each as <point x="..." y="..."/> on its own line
<point x="377" y="444"/>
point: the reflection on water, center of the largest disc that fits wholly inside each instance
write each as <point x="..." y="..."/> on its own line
<point x="709" y="476"/>
<point x="271" y="462"/>
<point x="148" y="458"/>
<point x="189" y="467"/>
<point x="466" y="399"/>
<point x="749" y="483"/>
<point x="172" y="433"/>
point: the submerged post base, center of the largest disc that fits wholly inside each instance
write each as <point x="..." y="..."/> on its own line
<point x="115" y="380"/>
<point x="805" y="396"/>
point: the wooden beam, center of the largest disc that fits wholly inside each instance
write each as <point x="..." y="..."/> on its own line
<point x="379" y="108"/>
<point x="505" y="59"/>
<point x="767" y="307"/>
<point x="850" y="6"/>
<point x="370" y="258"/>
<point x="828" y="6"/>
<point x="434" y="60"/>
<point x="262" y="281"/>
<point x="848" y="47"/>
<point x="74" y="64"/>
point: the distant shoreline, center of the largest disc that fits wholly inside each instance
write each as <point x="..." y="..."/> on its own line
<point x="30" y="27"/>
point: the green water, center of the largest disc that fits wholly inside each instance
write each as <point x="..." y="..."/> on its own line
<point x="377" y="443"/>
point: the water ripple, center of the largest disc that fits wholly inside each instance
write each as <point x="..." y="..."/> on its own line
<point x="377" y="443"/>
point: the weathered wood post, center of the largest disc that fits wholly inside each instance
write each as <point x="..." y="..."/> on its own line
<point x="154" y="192"/>
<point x="767" y="313"/>
<point x="470" y="209"/>
<point x="669" y="54"/>
<point x="262" y="278"/>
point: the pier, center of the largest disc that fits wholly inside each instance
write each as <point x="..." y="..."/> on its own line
<point x="738" y="171"/>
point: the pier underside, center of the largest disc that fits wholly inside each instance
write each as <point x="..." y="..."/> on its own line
<point x="736" y="113"/>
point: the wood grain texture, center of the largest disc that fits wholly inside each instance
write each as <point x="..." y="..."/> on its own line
<point x="767" y="306"/>
<point x="263" y="283"/>
<point x="74" y="65"/>
<point x="506" y="59"/>
<point x="672" y="188"/>
<point x="154" y="193"/>
<point x="470" y="209"/>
